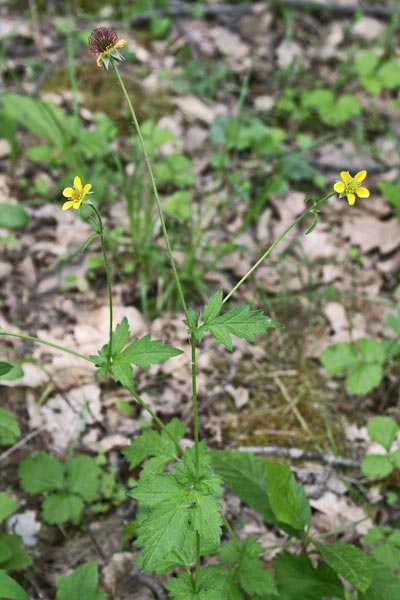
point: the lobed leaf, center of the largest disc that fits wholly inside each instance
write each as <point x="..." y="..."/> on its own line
<point x="41" y="473"/>
<point x="81" y="584"/>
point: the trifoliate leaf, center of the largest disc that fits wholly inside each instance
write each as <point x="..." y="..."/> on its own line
<point x="7" y="506"/>
<point x="83" y="477"/>
<point x="41" y="473"/>
<point x="158" y="445"/>
<point x="9" y="428"/>
<point x="348" y="561"/>
<point x="81" y="584"/>
<point x="339" y="357"/>
<point x="297" y="578"/>
<point x="240" y="321"/>
<point x="62" y="507"/>
<point x="10" y="589"/>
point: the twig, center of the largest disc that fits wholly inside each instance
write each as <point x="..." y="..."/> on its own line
<point x="155" y="587"/>
<point x="298" y="453"/>
<point x="21" y="443"/>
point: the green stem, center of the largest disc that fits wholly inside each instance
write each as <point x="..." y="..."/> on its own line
<point x="153" y="415"/>
<point x="155" y="191"/>
<point x="108" y="277"/>
<point x="195" y="405"/>
<point x="309" y="210"/>
<point x="197" y="565"/>
<point x="231" y="532"/>
<point x="45" y="343"/>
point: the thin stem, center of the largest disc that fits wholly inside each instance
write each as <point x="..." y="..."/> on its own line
<point x="108" y="277"/>
<point x="195" y="405"/>
<point x="309" y="210"/>
<point x="155" y="191"/>
<point x="231" y="532"/>
<point x="45" y="343"/>
<point x="197" y="565"/>
<point x="153" y="415"/>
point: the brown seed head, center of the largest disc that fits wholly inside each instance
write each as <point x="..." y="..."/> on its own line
<point x="102" y="39"/>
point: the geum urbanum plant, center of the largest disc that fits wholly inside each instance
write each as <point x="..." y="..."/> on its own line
<point x="180" y="518"/>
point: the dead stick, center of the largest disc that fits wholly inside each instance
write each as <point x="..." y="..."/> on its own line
<point x="299" y="454"/>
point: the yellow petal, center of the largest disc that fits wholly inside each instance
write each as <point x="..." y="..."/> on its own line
<point x="339" y="187"/>
<point x="351" y="198"/>
<point x="78" y="183"/>
<point x="120" y="44"/>
<point x="99" y="61"/>
<point x="86" y="189"/>
<point x="76" y="204"/>
<point x="67" y="205"/>
<point x="362" y="192"/>
<point x="345" y="175"/>
<point x="360" y="176"/>
<point x="68" y="192"/>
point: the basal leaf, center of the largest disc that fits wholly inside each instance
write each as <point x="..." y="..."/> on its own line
<point x="41" y="473"/>
<point x="348" y="561"/>
<point x="62" y="507"/>
<point x="82" y="584"/>
<point x="19" y="557"/>
<point x="371" y="351"/>
<point x="83" y="475"/>
<point x="7" y="506"/>
<point x="364" y="377"/>
<point x="376" y="465"/>
<point x="383" y="430"/>
<point x="9" y="428"/>
<point x="10" y="589"/>
<point x="339" y="357"/>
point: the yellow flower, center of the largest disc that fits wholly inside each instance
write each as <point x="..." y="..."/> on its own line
<point x="77" y="194"/>
<point x="350" y="186"/>
<point x="104" y="42"/>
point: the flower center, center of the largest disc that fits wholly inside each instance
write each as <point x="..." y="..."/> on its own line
<point x="351" y="186"/>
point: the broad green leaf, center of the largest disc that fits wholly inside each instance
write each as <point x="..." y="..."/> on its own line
<point x="179" y="205"/>
<point x="383" y="430"/>
<point x="12" y="216"/>
<point x="287" y="497"/>
<point x="395" y="456"/>
<point x="338" y="357"/>
<point x="385" y="585"/>
<point x="374" y="535"/>
<point x="83" y="477"/>
<point x="245" y="475"/>
<point x="241" y="321"/>
<point x="157" y="445"/>
<point x="145" y="352"/>
<point x="15" y="373"/>
<point x="18" y="557"/>
<point x="376" y="465"/>
<point x="5" y="367"/>
<point x="7" y="505"/>
<point x="82" y="584"/>
<point x="10" y="589"/>
<point x="348" y="561"/>
<point x="298" y="579"/>
<point x="5" y="550"/>
<point x="213" y="585"/>
<point x="371" y="351"/>
<point x="41" y="473"/>
<point x="213" y="308"/>
<point x="388" y="555"/>
<point x="62" y="507"/>
<point x="9" y="428"/>
<point x="364" y="377"/>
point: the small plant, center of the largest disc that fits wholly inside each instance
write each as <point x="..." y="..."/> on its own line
<point x="383" y="431"/>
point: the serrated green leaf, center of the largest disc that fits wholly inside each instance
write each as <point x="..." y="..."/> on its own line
<point x="376" y="465"/>
<point x="213" y="308"/>
<point x="297" y="578"/>
<point x="287" y="498"/>
<point x="83" y="477"/>
<point x="251" y="572"/>
<point x="385" y="585"/>
<point x="158" y="445"/>
<point x="82" y="584"/>
<point x="62" y="507"/>
<point x="123" y="373"/>
<point x="348" y="561"/>
<point x="9" y="428"/>
<point x="245" y="475"/>
<point x="364" y="377"/>
<point x="120" y="336"/>
<point x="145" y="352"/>
<point x="213" y="585"/>
<point x="7" y="506"/>
<point x="19" y="558"/>
<point x="371" y="351"/>
<point x="388" y="555"/>
<point x="338" y="357"/>
<point x="10" y="589"/>
<point x="383" y="430"/>
<point x="41" y="473"/>
<point x="241" y="321"/>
